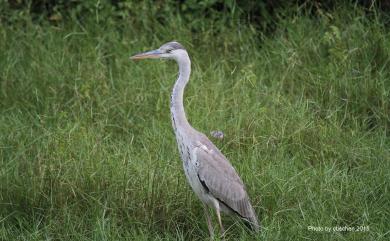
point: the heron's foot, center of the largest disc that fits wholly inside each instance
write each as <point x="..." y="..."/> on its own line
<point x="211" y="231"/>
<point x="222" y="233"/>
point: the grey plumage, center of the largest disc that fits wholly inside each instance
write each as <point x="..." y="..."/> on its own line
<point x="223" y="182"/>
<point x="175" y="45"/>
<point x="209" y="173"/>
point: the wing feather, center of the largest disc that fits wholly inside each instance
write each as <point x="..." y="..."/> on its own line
<point x="223" y="182"/>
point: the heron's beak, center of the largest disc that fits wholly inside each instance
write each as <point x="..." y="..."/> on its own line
<point x="153" y="54"/>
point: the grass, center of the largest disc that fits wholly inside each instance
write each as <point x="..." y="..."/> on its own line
<point x="87" y="151"/>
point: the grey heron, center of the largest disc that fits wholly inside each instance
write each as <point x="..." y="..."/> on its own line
<point x="211" y="176"/>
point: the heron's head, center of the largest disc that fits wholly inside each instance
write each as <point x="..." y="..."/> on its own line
<point x="171" y="50"/>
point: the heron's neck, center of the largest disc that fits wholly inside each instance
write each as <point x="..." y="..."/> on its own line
<point x="179" y="119"/>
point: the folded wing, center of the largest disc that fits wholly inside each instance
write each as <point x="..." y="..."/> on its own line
<point x="223" y="182"/>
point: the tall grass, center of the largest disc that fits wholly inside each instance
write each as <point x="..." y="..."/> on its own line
<point x="87" y="151"/>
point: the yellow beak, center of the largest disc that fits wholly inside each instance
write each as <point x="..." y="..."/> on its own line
<point x="153" y="54"/>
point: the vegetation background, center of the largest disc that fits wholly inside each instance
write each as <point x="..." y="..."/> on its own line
<point x="300" y="88"/>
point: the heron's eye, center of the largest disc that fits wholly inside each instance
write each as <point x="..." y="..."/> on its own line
<point x="169" y="50"/>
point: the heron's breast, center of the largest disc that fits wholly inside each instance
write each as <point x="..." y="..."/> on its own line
<point x="191" y="167"/>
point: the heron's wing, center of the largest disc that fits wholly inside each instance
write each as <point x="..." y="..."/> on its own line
<point x="222" y="181"/>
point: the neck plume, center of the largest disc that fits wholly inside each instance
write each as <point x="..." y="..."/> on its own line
<point x="179" y="118"/>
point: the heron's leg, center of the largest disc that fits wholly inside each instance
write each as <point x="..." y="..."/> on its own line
<point x="216" y="206"/>
<point x="220" y="223"/>
<point x="208" y="219"/>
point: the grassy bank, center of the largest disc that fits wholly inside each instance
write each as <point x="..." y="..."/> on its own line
<point x="87" y="151"/>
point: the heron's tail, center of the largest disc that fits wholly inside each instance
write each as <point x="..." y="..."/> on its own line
<point x="255" y="224"/>
<point x="253" y="221"/>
